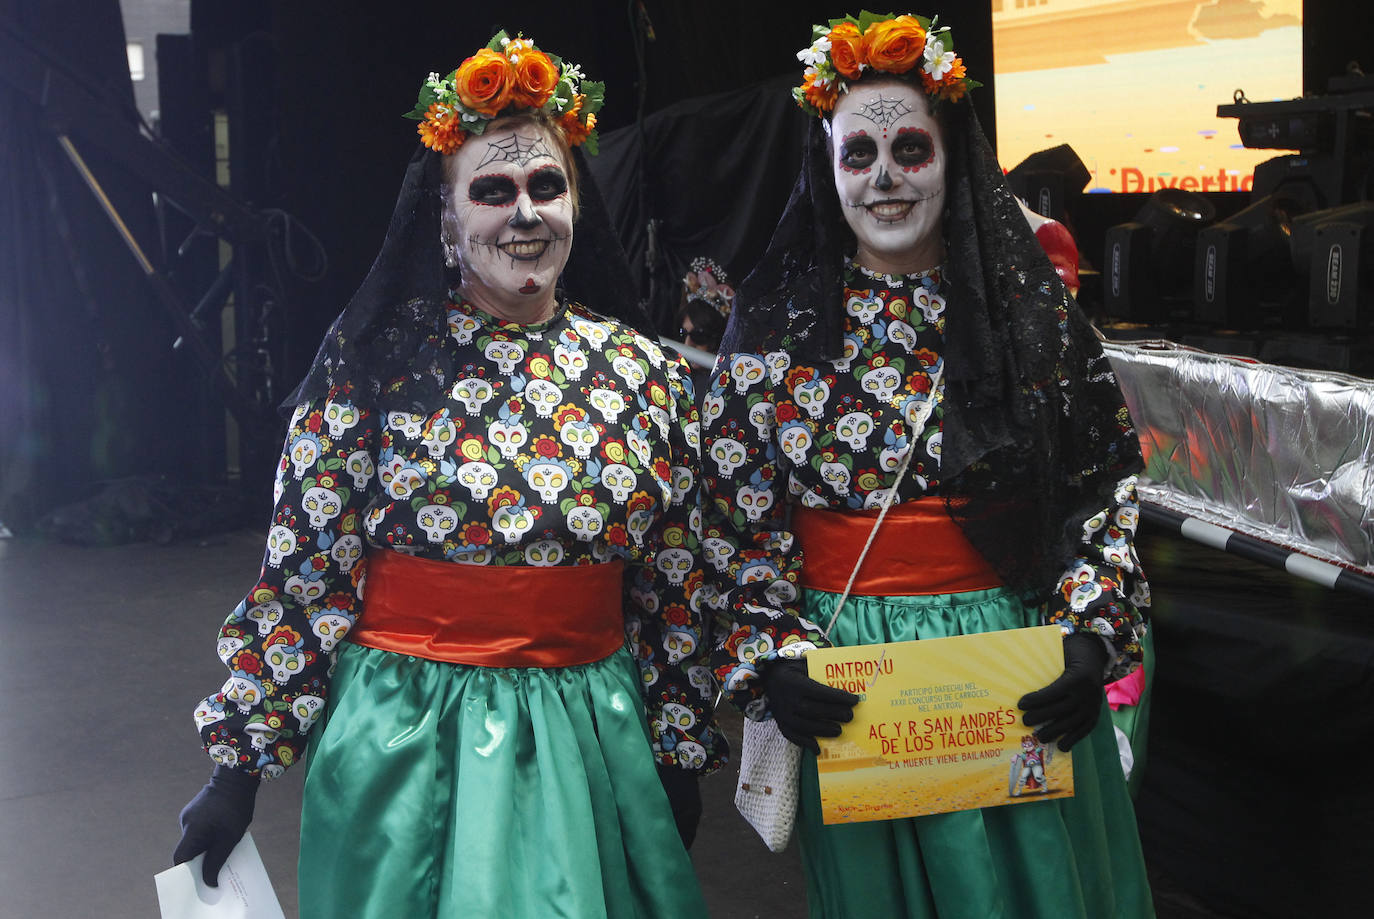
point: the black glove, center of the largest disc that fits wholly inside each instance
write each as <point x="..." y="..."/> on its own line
<point x="1069" y="707"/>
<point x="215" y="820"/>
<point x="804" y="708"/>
<point x="684" y="796"/>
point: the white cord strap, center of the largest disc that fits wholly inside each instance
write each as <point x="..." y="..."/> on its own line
<point x="918" y="424"/>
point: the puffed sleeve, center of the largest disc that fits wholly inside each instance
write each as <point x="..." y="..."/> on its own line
<point x="277" y="641"/>
<point x="1103" y="590"/>
<point x="666" y="620"/>
<point x="753" y="558"/>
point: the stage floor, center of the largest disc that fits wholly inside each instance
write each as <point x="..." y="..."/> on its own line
<point x="103" y="654"/>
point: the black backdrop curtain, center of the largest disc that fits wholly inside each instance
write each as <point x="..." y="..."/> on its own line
<point x="714" y="171"/>
<point x="89" y="383"/>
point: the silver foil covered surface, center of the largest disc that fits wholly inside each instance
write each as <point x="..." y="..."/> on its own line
<point x="1281" y="454"/>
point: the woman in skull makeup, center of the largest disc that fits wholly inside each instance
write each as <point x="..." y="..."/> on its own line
<point x="480" y="573"/>
<point x="904" y="309"/>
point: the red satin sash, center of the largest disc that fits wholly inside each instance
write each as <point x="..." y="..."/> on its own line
<point x="491" y="616"/>
<point x="919" y="550"/>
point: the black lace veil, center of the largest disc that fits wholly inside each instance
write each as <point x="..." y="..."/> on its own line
<point x="389" y="340"/>
<point x="1036" y="433"/>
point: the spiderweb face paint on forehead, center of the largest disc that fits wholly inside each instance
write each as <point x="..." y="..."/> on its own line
<point x="884" y="111"/>
<point x="517" y="148"/>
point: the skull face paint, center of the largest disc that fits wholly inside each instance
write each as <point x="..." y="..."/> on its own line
<point x="889" y="166"/>
<point x="508" y="218"/>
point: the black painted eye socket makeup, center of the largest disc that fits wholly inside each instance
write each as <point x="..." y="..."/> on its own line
<point x="912" y="147"/>
<point x="494" y="190"/>
<point x="858" y="151"/>
<point x="547" y="183"/>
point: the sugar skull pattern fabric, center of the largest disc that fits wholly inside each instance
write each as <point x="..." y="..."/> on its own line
<point x="569" y="442"/>
<point x="831" y="435"/>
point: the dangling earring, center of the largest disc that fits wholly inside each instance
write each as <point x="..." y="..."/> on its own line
<point x="450" y="251"/>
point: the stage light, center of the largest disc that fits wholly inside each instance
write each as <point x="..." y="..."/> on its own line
<point x="1335" y="249"/>
<point x="1334" y="133"/>
<point x="1243" y="275"/>
<point x="1148" y="262"/>
<point x="1301" y="201"/>
<point x="1045" y="180"/>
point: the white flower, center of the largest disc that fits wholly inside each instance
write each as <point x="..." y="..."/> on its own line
<point x="815" y="55"/>
<point x="821" y="78"/>
<point x="572" y="72"/>
<point x="938" y="61"/>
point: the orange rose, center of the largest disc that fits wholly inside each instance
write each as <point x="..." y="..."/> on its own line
<point x="440" y="130"/>
<point x="822" y="98"/>
<point x="895" y="45"/>
<point x="847" y="49"/>
<point x="484" y="81"/>
<point x="535" y="79"/>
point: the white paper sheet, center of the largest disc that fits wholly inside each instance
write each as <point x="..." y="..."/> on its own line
<point x="244" y="891"/>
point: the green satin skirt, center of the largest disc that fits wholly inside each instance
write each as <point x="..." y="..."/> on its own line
<point x="444" y="790"/>
<point x="1067" y="858"/>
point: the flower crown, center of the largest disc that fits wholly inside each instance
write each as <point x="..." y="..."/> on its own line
<point x="508" y="76"/>
<point x="706" y="281"/>
<point x="891" y="44"/>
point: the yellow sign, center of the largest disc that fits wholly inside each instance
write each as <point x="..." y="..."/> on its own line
<point x="937" y="728"/>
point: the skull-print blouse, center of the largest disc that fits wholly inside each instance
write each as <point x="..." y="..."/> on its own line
<point x="567" y="442"/>
<point x="832" y="436"/>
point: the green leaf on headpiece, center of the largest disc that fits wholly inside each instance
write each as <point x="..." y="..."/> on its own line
<point x="427" y="98"/>
<point x="562" y="97"/>
<point x="496" y="41"/>
<point x="590" y="144"/>
<point x="596" y="97"/>
<point x="867" y="19"/>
